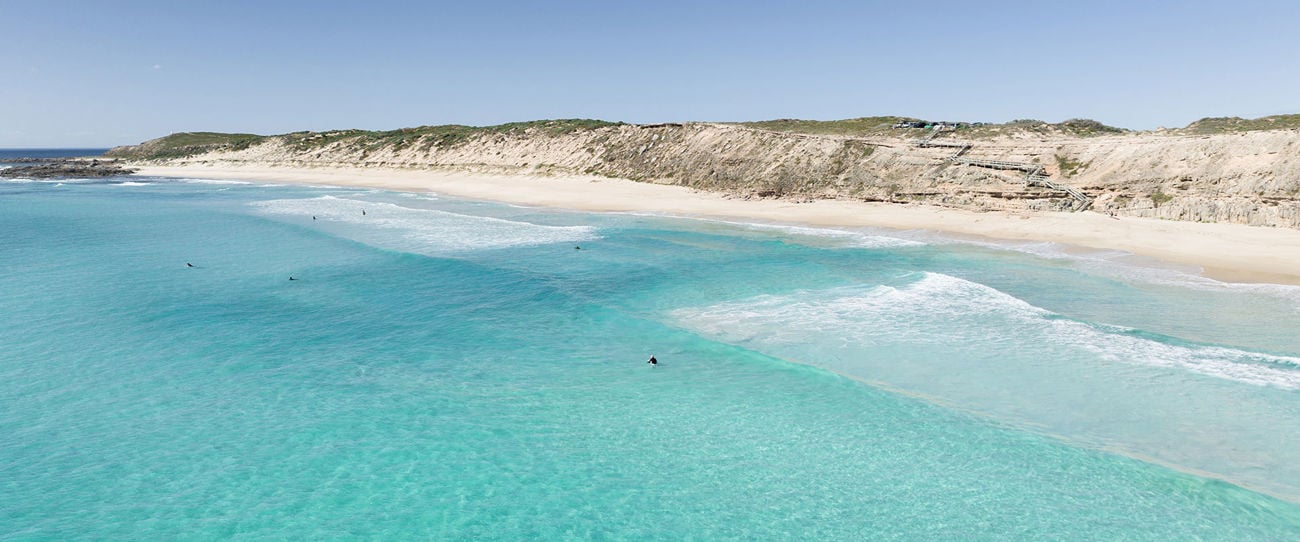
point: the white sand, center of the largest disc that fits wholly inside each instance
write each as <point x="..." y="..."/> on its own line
<point x="1225" y="251"/>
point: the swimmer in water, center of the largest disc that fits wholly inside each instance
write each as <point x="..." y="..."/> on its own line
<point x="653" y="362"/>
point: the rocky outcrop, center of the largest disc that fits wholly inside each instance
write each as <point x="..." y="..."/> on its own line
<point x="54" y="168"/>
<point x="1249" y="177"/>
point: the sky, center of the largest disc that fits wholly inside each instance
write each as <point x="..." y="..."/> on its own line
<point x="99" y="73"/>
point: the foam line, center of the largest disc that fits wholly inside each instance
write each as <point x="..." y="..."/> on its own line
<point x="425" y="231"/>
<point x="851" y="238"/>
<point x="942" y="308"/>
<point x="211" y="181"/>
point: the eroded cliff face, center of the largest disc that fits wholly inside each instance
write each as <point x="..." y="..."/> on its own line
<point x="1246" y="178"/>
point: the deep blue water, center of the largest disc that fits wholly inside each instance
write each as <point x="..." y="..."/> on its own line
<point x="49" y="153"/>
<point x="460" y="370"/>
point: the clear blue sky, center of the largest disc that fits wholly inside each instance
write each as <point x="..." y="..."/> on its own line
<point x="115" y="72"/>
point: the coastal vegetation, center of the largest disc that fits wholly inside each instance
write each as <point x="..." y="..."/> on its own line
<point x="445" y="135"/>
<point x="1087" y="128"/>
<point x="1159" y="198"/>
<point x="1221" y="125"/>
<point x="846" y="127"/>
<point x="1068" y="166"/>
<point x="1071" y="128"/>
<point x="183" y="144"/>
<point x="866" y="126"/>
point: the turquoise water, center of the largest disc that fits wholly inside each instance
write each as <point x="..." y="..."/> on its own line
<point x="457" y="370"/>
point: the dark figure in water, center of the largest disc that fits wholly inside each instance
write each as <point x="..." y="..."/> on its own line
<point x="363" y="212"/>
<point x="577" y="248"/>
<point x="291" y="277"/>
<point x="313" y="217"/>
<point x="188" y="264"/>
<point x="653" y="362"/>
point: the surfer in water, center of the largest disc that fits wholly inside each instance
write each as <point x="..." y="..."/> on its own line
<point x="188" y="264"/>
<point x="652" y="361"/>
<point x="291" y="277"/>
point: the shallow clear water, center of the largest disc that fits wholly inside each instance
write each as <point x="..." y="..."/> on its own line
<point x="450" y="369"/>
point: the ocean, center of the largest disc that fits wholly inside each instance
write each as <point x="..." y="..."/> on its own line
<point x="450" y="369"/>
<point x="13" y="154"/>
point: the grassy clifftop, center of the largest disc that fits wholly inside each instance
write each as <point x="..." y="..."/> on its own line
<point x="183" y="144"/>
<point x="847" y="127"/>
<point x="1224" y="125"/>
<point x="868" y="126"/>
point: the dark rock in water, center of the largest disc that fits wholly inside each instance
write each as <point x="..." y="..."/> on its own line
<point x="49" y="168"/>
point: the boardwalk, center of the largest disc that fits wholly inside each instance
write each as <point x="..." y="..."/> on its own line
<point x="1035" y="175"/>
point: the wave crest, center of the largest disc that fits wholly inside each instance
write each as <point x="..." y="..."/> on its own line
<point x="946" y="311"/>
<point x="424" y="231"/>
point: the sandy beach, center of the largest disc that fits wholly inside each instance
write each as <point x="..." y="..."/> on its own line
<point x="1227" y="252"/>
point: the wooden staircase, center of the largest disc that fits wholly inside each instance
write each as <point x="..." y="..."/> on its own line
<point x="1035" y="175"/>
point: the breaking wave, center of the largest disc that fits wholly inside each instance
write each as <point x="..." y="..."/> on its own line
<point x="940" y="309"/>
<point x="424" y="231"/>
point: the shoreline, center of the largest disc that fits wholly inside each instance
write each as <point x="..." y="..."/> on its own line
<point x="1224" y="252"/>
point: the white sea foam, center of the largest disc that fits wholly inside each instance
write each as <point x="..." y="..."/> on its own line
<point x="211" y="181"/>
<point x="1180" y="278"/>
<point x="132" y="183"/>
<point x="945" y="310"/>
<point x="1125" y="266"/>
<point x="424" y="231"/>
<point x="845" y="237"/>
<point x="428" y="196"/>
<point x="69" y="180"/>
